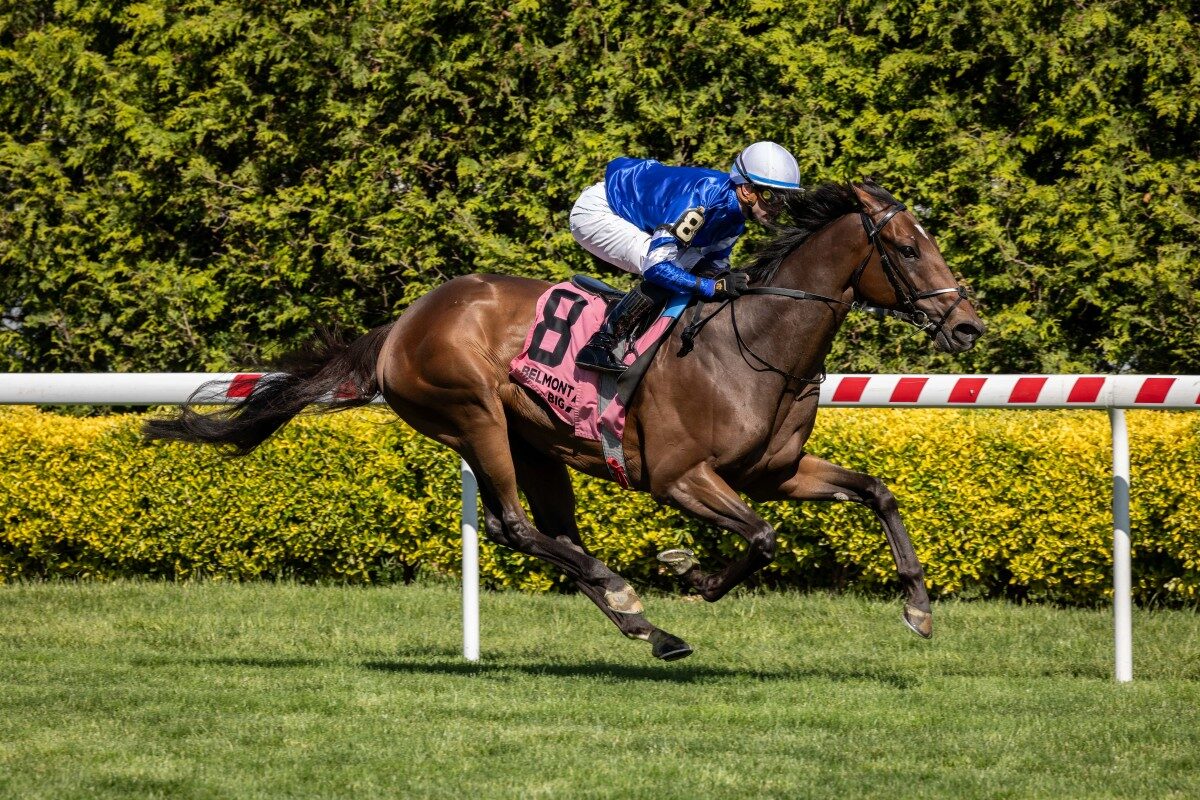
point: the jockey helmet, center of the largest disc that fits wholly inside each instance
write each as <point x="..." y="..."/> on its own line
<point x="766" y="164"/>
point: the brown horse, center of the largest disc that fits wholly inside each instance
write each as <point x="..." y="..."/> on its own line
<point x="730" y="418"/>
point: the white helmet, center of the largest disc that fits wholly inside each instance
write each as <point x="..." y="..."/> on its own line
<point x="766" y="164"/>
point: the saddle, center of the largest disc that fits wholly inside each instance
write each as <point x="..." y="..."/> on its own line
<point x="597" y="287"/>
<point x="611" y="294"/>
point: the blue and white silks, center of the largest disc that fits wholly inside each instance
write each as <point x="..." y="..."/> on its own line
<point x="654" y="197"/>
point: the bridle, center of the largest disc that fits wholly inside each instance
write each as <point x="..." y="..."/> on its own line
<point x="907" y="294"/>
<point x="905" y="291"/>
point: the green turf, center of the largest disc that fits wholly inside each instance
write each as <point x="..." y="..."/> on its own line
<point x="242" y="691"/>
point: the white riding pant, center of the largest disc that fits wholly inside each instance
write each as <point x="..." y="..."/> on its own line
<point x="606" y="235"/>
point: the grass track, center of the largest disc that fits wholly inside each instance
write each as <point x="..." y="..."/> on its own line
<point x="259" y="690"/>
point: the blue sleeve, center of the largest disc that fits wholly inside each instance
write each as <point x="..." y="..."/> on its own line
<point x="680" y="281"/>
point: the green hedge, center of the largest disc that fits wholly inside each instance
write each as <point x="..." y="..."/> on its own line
<point x="191" y="184"/>
<point x="998" y="503"/>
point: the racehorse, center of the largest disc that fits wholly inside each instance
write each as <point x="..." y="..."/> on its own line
<point x="729" y="418"/>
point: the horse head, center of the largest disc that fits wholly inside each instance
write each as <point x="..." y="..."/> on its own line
<point x="904" y="273"/>
<point x="860" y="247"/>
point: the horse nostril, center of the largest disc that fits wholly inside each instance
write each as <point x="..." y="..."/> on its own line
<point x="968" y="331"/>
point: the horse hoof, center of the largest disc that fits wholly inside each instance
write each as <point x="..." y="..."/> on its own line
<point x="919" y="622"/>
<point x="623" y="600"/>
<point x="679" y="561"/>
<point x="668" y="647"/>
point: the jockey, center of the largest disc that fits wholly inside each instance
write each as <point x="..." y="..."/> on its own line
<point x="674" y="226"/>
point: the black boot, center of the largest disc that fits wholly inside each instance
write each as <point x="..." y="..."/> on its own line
<point x="599" y="355"/>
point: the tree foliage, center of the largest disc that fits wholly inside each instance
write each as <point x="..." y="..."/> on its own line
<point x="194" y="184"/>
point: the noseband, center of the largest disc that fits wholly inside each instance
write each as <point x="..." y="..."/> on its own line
<point x="905" y="291"/>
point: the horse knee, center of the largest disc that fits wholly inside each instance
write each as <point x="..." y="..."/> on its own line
<point x="507" y="530"/>
<point x="881" y="499"/>
<point x="520" y="534"/>
<point x="762" y="541"/>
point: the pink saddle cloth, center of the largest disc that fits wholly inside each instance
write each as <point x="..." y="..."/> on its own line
<point x="565" y="319"/>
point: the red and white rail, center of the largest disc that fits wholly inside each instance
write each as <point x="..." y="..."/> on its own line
<point x="923" y="391"/>
<point x="126" y="388"/>
<point x="1013" y="391"/>
<point x="1115" y="393"/>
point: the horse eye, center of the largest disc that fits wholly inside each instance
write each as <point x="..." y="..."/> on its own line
<point x="908" y="251"/>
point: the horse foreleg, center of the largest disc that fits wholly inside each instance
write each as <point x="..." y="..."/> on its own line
<point x="703" y="494"/>
<point x="816" y="479"/>
<point x="547" y="486"/>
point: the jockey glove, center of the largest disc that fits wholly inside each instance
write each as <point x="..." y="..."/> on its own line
<point x="731" y="285"/>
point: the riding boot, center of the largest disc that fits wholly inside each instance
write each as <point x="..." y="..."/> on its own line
<point x="599" y="354"/>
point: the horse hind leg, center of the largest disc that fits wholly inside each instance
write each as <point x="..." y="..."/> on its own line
<point x="547" y="486"/>
<point x="484" y="444"/>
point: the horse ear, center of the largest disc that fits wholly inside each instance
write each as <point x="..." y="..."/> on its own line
<point x="874" y="193"/>
<point x="864" y="192"/>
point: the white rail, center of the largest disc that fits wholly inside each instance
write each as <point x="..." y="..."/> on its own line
<point x="1112" y="392"/>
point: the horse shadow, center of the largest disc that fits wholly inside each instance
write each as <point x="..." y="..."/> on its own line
<point x="675" y="673"/>
<point x="449" y="662"/>
<point x="438" y="661"/>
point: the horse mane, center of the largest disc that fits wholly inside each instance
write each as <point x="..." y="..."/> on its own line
<point x="807" y="212"/>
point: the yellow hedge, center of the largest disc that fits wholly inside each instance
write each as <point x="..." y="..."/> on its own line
<point x="998" y="503"/>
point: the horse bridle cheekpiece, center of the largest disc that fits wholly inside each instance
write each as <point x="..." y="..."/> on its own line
<point x="906" y="292"/>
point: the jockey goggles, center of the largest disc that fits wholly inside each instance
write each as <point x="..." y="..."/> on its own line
<point x="772" y="199"/>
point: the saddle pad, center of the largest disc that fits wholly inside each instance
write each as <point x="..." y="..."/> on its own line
<point x="565" y="318"/>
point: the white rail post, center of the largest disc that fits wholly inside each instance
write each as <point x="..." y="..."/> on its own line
<point x="1122" y="573"/>
<point x="470" y="564"/>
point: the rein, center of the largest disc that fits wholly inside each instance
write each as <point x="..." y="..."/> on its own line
<point x="909" y="296"/>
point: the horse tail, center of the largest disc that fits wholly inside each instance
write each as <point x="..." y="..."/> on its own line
<point x="327" y="367"/>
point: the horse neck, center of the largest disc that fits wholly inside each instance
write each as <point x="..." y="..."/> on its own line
<point x="824" y="264"/>
<point x="800" y="336"/>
